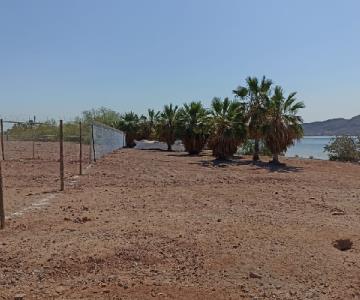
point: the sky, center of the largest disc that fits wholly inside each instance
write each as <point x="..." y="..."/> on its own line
<point x="58" y="58"/>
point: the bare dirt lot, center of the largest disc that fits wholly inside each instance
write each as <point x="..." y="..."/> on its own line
<point x="147" y="224"/>
<point x="28" y="177"/>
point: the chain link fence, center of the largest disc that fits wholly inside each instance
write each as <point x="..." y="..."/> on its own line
<point x="42" y="158"/>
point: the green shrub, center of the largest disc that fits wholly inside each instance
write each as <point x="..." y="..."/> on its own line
<point x="103" y="115"/>
<point x="129" y="123"/>
<point x="344" y="148"/>
<point x="47" y="131"/>
<point x="248" y="148"/>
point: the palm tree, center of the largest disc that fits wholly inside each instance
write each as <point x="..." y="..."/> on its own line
<point x="166" y="127"/>
<point x="193" y="126"/>
<point x="228" y="127"/>
<point x="255" y="94"/>
<point x="148" y="123"/>
<point x="282" y="125"/>
<point x="129" y="123"/>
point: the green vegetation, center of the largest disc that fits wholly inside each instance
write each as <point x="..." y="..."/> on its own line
<point x="260" y="117"/>
<point x="282" y="126"/>
<point x="255" y="95"/>
<point x="147" y="125"/>
<point x="193" y="127"/>
<point x="168" y="124"/>
<point x="249" y="146"/>
<point x="102" y="115"/>
<point x="228" y="127"/>
<point x="129" y="123"/>
<point x="344" y="148"/>
<point x="49" y="130"/>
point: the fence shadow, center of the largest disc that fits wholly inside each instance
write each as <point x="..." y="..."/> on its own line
<point x="220" y="163"/>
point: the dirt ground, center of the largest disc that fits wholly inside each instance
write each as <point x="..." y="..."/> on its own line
<point x="158" y="225"/>
<point x="28" y="176"/>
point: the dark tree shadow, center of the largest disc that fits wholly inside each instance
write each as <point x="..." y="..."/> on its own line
<point x="271" y="167"/>
<point x="185" y="154"/>
<point x="155" y="150"/>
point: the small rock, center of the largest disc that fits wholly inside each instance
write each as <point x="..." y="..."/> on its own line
<point x="337" y="212"/>
<point x="255" y="275"/>
<point x="343" y="244"/>
<point x="19" y="296"/>
<point x="60" y="289"/>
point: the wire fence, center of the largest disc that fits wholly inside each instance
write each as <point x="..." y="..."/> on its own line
<point x="40" y="158"/>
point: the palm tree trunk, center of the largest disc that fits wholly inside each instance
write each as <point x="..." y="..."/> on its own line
<point x="169" y="147"/>
<point x="256" y="150"/>
<point x="275" y="159"/>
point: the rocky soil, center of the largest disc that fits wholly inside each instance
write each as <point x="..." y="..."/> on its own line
<point x="158" y="225"/>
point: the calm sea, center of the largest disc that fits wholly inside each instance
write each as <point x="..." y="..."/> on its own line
<point x="310" y="146"/>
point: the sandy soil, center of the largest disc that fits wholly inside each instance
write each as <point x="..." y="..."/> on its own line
<point x="27" y="178"/>
<point x="147" y="224"/>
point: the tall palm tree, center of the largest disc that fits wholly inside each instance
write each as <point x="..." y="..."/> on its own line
<point x="193" y="127"/>
<point x="255" y="94"/>
<point x="129" y="123"/>
<point x="166" y="127"/>
<point x="148" y="123"/>
<point x="228" y="127"/>
<point x="282" y="125"/>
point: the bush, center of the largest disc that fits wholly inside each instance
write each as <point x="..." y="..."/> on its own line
<point x="129" y="123"/>
<point x="193" y="127"/>
<point x="47" y="131"/>
<point x="344" y="148"/>
<point x="103" y="115"/>
<point x="248" y="148"/>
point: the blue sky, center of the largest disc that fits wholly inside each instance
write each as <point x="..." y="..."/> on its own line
<point x="58" y="58"/>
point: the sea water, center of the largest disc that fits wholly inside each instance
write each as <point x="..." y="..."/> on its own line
<point x="310" y="146"/>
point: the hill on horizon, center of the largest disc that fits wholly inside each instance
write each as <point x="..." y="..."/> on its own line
<point x="336" y="126"/>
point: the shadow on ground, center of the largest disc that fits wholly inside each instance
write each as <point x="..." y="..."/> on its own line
<point x="219" y="163"/>
<point x="185" y="154"/>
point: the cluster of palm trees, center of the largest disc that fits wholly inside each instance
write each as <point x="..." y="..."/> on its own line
<point x="259" y="112"/>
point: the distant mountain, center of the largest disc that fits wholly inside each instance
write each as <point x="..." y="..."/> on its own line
<point x="334" y="127"/>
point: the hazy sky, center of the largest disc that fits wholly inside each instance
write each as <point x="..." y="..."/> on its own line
<point x="58" y="58"/>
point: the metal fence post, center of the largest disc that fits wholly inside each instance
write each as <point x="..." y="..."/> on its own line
<point x="61" y="156"/>
<point x="80" y="140"/>
<point x="33" y="142"/>
<point x="2" y="138"/>
<point x="93" y="141"/>
<point x="2" y="211"/>
<point x="90" y="146"/>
